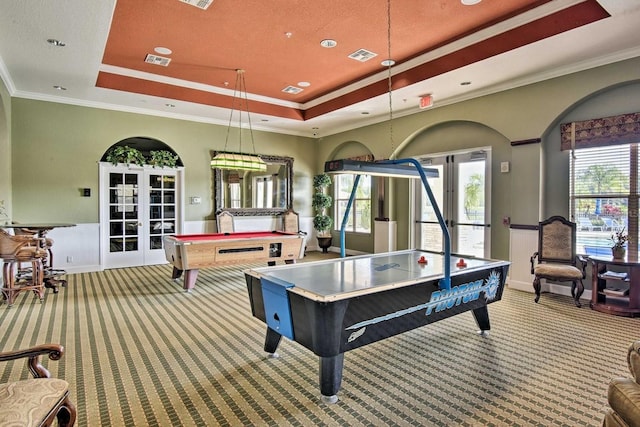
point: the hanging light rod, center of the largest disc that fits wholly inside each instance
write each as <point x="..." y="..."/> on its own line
<point x="388" y="168"/>
<point x="239" y="161"/>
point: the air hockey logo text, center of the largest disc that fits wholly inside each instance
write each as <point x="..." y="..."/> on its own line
<point x="443" y="299"/>
<point x="448" y="298"/>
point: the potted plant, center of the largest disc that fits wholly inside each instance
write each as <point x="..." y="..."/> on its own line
<point x="125" y="154"/>
<point x="321" y="202"/>
<point x="619" y="239"/>
<point x="162" y="158"/>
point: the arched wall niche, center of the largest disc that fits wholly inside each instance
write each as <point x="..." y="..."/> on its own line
<point x="145" y="145"/>
<point x="349" y="149"/>
<point x="451" y="136"/>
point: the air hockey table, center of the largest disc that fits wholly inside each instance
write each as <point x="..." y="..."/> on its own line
<point x="334" y="306"/>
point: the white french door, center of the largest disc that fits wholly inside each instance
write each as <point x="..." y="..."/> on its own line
<point x="462" y="191"/>
<point x="139" y="206"/>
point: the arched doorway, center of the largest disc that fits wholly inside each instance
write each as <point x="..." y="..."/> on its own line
<point x="139" y="205"/>
<point x="462" y="151"/>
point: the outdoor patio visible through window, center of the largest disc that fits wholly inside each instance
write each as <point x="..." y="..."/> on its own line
<point x="604" y="196"/>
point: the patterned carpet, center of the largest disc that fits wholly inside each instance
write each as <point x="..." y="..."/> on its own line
<point x="141" y="352"/>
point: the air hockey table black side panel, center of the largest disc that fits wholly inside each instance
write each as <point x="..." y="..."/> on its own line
<point x="254" y="288"/>
<point x="332" y="328"/>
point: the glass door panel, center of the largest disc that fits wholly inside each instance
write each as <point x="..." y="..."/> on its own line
<point x="461" y="191"/>
<point x="124" y="223"/>
<point x="469" y="207"/>
<point x="161" y="212"/>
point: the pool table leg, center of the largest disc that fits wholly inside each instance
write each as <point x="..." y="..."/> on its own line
<point x="176" y="273"/>
<point x="330" y="377"/>
<point x="271" y="342"/>
<point x="190" y="277"/>
<point x="482" y="319"/>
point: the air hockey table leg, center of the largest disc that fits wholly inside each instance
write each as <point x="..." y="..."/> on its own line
<point x="271" y="342"/>
<point x="330" y="377"/>
<point x="481" y="315"/>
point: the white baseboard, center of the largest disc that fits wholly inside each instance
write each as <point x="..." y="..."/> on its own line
<point x="83" y="269"/>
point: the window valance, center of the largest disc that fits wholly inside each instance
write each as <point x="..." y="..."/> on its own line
<point x="614" y="130"/>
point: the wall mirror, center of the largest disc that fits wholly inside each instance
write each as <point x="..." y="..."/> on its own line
<point x="252" y="193"/>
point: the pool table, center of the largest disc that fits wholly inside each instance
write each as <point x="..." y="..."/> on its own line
<point x="190" y="252"/>
<point x="331" y="307"/>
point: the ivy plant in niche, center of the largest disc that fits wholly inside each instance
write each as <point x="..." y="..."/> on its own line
<point x="162" y="158"/>
<point x="133" y="156"/>
<point x="125" y="154"/>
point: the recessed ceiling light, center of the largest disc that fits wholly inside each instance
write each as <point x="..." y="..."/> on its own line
<point x="288" y="34"/>
<point x="58" y="87"/>
<point x="163" y="50"/>
<point x="465" y="83"/>
<point x="388" y="63"/>
<point x="304" y="84"/>
<point x="470" y="2"/>
<point x="328" y="43"/>
<point x="54" y="42"/>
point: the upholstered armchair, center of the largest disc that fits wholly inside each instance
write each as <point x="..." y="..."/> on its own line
<point x="40" y="400"/>
<point x="624" y="394"/>
<point x="556" y="256"/>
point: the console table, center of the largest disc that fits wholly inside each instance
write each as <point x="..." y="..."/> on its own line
<point x="614" y="293"/>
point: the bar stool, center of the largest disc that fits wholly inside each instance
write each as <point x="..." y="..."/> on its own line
<point x="15" y="250"/>
<point x="51" y="275"/>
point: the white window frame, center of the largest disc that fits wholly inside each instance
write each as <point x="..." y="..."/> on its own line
<point x="365" y="181"/>
<point x="595" y="227"/>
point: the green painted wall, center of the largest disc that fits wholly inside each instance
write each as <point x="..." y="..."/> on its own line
<point x="56" y="149"/>
<point x="536" y="185"/>
<point x="5" y="153"/>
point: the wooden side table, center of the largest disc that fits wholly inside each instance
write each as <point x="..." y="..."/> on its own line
<point x="613" y="293"/>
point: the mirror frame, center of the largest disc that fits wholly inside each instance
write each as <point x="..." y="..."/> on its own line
<point x="218" y="183"/>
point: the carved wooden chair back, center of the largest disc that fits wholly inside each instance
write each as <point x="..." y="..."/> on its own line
<point x="224" y="222"/>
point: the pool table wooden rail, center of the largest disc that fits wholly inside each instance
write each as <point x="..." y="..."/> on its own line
<point x="189" y="253"/>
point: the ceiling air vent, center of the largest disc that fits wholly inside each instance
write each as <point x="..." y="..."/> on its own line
<point x="200" y="4"/>
<point x="362" y="55"/>
<point x="292" y="90"/>
<point x="157" y="60"/>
